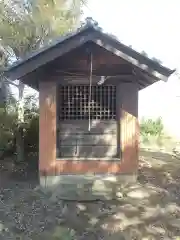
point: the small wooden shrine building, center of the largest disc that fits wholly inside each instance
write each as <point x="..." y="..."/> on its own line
<point x="88" y="85"/>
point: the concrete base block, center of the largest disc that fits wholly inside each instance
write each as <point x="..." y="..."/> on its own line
<point x="86" y="187"/>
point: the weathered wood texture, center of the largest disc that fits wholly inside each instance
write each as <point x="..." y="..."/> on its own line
<point x="76" y="141"/>
<point x="47" y="125"/>
<point x="128" y="127"/>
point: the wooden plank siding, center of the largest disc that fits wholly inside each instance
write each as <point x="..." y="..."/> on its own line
<point x="129" y="126"/>
<point x="48" y="164"/>
<point x="76" y="141"/>
<point x="47" y="127"/>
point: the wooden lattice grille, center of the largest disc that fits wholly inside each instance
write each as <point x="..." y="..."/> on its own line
<point x="74" y="102"/>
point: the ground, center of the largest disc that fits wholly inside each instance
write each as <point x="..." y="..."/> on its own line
<point x="148" y="209"/>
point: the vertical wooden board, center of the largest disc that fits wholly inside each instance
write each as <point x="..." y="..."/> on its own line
<point x="47" y="127"/>
<point x="129" y="126"/>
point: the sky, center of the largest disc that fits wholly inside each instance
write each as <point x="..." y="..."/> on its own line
<point x="152" y="26"/>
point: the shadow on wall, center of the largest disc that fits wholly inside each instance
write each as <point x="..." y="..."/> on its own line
<point x="77" y="141"/>
<point x="128" y="144"/>
<point x="90" y="179"/>
<point x="130" y="152"/>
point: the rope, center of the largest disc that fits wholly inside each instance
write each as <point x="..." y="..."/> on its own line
<point x="90" y="88"/>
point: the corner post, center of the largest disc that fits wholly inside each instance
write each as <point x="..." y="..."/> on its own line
<point x="47" y="128"/>
<point x="129" y="130"/>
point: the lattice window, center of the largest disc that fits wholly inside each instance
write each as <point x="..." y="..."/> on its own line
<point x="74" y="102"/>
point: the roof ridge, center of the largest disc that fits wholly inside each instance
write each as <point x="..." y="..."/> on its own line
<point x="92" y="25"/>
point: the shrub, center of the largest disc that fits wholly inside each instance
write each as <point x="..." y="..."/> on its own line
<point x="152" y="132"/>
<point x="7" y="126"/>
<point x="150" y="127"/>
<point x="8" y="132"/>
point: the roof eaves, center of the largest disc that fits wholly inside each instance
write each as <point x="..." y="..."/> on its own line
<point x="135" y="57"/>
<point x="139" y="59"/>
<point x="54" y="43"/>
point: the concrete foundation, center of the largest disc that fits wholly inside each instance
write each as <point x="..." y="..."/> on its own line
<point x="86" y="187"/>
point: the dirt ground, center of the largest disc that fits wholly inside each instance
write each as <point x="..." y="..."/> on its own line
<point x="148" y="210"/>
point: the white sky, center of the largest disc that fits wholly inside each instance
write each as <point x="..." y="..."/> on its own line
<point x="149" y="25"/>
<point x="152" y="26"/>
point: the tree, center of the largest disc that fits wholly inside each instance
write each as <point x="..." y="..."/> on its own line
<point x="26" y="25"/>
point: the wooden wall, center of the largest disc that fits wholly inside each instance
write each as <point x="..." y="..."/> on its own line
<point x="47" y="127"/>
<point x="75" y="140"/>
<point x="128" y="141"/>
<point x="129" y="130"/>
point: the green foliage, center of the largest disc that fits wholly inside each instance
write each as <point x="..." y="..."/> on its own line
<point x="28" y="25"/>
<point x="152" y="132"/>
<point x="7" y="126"/>
<point x="8" y="130"/>
<point x="63" y="233"/>
<point x="31" y="135"/>
<point x="150" y="127"/>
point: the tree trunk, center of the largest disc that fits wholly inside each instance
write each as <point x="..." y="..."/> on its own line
<point x="20" y="144"/>
<point x="19" y="133"/>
